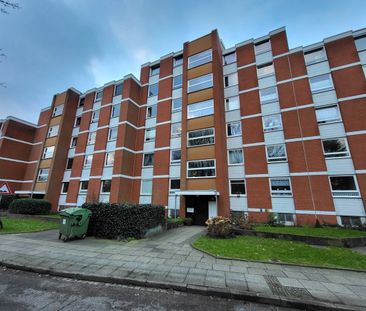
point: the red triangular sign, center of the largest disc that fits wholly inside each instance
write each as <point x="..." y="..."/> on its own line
<point x="4" y="189"/>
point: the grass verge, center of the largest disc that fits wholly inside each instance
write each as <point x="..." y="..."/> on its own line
<point x="13" y="225"/>
<point x="281" y="251"/>
<point x="332" y="232"/>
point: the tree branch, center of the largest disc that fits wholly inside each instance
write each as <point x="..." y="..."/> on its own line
<point x="8" y="5"/>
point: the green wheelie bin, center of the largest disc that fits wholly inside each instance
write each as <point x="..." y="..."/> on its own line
<point x="74" y="223"/>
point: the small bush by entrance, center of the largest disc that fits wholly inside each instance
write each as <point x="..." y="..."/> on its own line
<point x="122" y="221"/>
<point x="30" y="207"/>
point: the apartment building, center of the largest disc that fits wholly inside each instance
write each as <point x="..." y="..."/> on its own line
<point x="206" y="131"/>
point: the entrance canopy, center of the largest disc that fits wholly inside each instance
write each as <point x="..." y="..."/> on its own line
<point x="197" y="192"/>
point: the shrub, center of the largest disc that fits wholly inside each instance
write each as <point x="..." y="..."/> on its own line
<point x="30" y="207"/>
<point x="7" y="199"/>
<point x="272" y="219"/>
<point x="242" y="221"/>
<point x="122" y="221"/>
<point x="318" y="224"/>
<point x="219" y="227"/>
<point x="187" y="221"/>
<point x="174" y="222"/>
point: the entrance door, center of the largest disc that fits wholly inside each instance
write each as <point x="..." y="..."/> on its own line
<point x="212" y="209"/>
<point x="197" y="209"/>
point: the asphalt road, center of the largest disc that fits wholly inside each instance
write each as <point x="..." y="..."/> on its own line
<point x="30" y="291"/>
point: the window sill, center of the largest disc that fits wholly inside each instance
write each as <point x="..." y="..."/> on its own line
<point x="239" y="135"/>
<point x="201" y="177"/>
<point x="262" y="52"/>
<point x="175" y="163"/>
<point x="226" y="87"/>
<point x="323" y="90"/>
<point x="316" y="62"/>
<point x="191" y="92"/>
<point x="269" y="101"/>
<point x="238" y="196"/>
<point x="236" y="164"/>
<point x="227" y="110"/>
<point x="230" y="63"/>
<point x="279" y="161"/>
<point x="335" y="158"/>
<point x="271" y="131"/>
<point x="330" y="122"/>
<point x="267" y="75"/>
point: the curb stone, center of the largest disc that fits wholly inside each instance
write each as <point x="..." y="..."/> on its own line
<point x="193" y="289"/>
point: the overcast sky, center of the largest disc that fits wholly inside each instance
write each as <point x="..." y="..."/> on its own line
<point x="51" y="45"/>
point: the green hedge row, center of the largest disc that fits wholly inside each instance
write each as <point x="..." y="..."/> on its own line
<point x="30" y="207"/>
<point x="7" y="199"/>
<point x="121" y="221"/>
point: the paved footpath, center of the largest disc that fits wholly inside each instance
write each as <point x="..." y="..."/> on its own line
<point x="169" y="261"/>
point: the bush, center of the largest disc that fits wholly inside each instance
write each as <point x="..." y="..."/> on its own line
<point x="122" y="221"/>
<point x="219" y="227"/>
<point x="187" y="221"/>
<point x="30" y="207"/>
<point x="174" y="222"/>
<point x="242" y="221"/>
<point x="7" y="199"/>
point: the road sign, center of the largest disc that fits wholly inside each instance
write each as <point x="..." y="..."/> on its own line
<point x="4" y="188"/>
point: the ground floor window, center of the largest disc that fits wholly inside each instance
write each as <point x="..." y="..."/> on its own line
<point x="237" y="187"/>
<point x="343" y="186"/>
<point x="280" y="186"/>
<point x="351" y="221"/>
<point x="284" y="217"/>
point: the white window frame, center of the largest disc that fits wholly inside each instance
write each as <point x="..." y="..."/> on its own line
<point x="173" y="126"/>
<point x="148" y="91"/>
<point x="142" y="183"/>
<point x="311" y="60"/>
<point x="227" y="129"/>
<point x="327" y="121"/>
<point x="177" y="86"/>
<point x="143" y="159"/>
<point x="95" y="116"/>
<point x="97" y="98"/>
<point x="267" y="101"/>
<point x="110" y="132"/>
<point x="230" y="62"/>
<point x="227" y="103"/>
<point x="262" y="47"/>
<point x="150" y="110"/>
<point x="92" y="137"/>
<point x="178" y="60"/>
<point x="101" y="186"/>
<point x="63" y="185"/>
<point x="74" y="138"/>
<point x="47" y="154"/>
<point x="171" y="156"/>
<point x="272" y="129"/>
<point x="323" y="89"/>
<point x="333" y="155"/>
<point x="192" y="83"/>
<point x="228" y="156"/>
<point x="194" y="106"/>
<point x="107" y="157"/>
<point x="113" y="110"/>
<point x="171" y="190"/>
<point x="115" y="89"/>
<point x="181" y="104"/>
<point x="189" y="139"/>
<point x="231" y="80"/>
<point x="53" y="131"/>
<point x="276" y="159"/>
<point x="199" y="59"/>
<point x="76" y="121"/>
<point x="280" y="193"/>
<point x="83" y="190"/>
<point x="86" y="161"/>
<point x="42" y="175"/>
<point x="265" y="74"/>
<point x="237" y="194"/>
<point x="150" y="129"/>
<point x="154" y="70"/>
<point x="344" y="193"/>
<point x="206" y="168"/>
<point x="57" y="110"/>
<point x="82" y="100"/>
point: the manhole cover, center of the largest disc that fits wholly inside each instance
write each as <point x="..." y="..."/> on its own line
<point x="286" y="291"/>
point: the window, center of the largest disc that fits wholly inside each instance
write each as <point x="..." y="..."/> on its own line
<point x="199" y="59"/>
<point x="285" y="218"/>
<point x="202" y="168"/>
<point x="106" y="186"/>
<point x="174" y="184"/>
<point x="268" y="95"/>
<point x="43" y="174"/>
<point x="335" y="148"/>
<point x="150" y="134"/>
<point x="53" y="131"/>
<point x="351" y="221"/>
<point x="176" y="129"/>
<point x="177" y="82"/>
<point x="74" y="141"/>
<point x="201" y="137"/>
<point x="315" y="56"/>
<point x="151" y="111"/>
<point x="65" y="187"/>
<point x="84" y="186"/>
<point x="69" y="163"/>
<point x="91" y="138"/>
<point x="272" y="123"/>
<point x="175" y="156"/>
<point x="57" y="111"/>
<point x="146" y="186"/>
<point x="320" y="83"/>
<point x="200" y="109"/>
<point x="112" y="133"/>
<point x="236" y="156"/>
<point x="276" y="153"/>
<point x="230" y="58"/>
<point x="327" y="114"/>
<point x="237" y="187"/>
<point x="177" y="104"/>
<point x="148" y="159"/>
<point x="118" y="89"/>
<point x="262" y="47"/>
<point x="88" y="160"/>
<point x="109" y="159"/>
<point x="230" y="80"/>
<point x="265" y="70"/>
<point x="200" y="83"/>
<point x="115" y="111"/>
<point x="82" y="102"/>
<point x="280" y="186"/>
<point x="232" y="103"/>
<point x="178" y="60"/>
<point x="360" y="43"/>
<point x="98" y="96"/>
<point x="154" y="70"/>
<point x="77" y="121"/>
<point x="48" y="152"/>
<point x="233" y="129"/>
<point x="153" y="89"/>
<point x="95" y="116"/>
<point x="343" y="186"/>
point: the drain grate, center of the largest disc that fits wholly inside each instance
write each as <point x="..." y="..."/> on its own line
<point x="286" y="291"/>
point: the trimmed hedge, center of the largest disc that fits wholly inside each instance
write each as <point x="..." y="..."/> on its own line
<point x="7" y="199"/>
<point x="174" y="222"/>
<point x="30" y="207"/>
<point x="122" y="221"/>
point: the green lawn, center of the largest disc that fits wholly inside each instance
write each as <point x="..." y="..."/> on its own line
<point x="56" y="216"/>
<point x="333" y="232"/>
<point x="274" y="250"/>
<point x="12" y="225"/>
